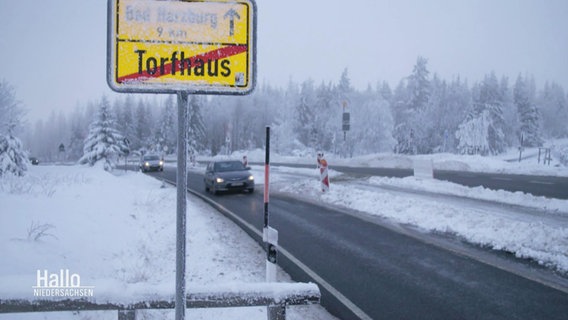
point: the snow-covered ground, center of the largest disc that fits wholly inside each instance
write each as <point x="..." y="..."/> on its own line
<point x="117" y="232"/>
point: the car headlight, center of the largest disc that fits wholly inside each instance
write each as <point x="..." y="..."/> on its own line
<point x="147" y="164"/>
<point x="251" y="178"/>
<point x="161" y="162"/>
<point x="219" y="180"/>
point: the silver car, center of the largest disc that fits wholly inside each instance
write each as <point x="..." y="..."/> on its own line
<point x="228" y="175"/>
<point x="151" y="162"/>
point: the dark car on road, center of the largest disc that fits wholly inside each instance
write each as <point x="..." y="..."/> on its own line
<point x="151" y="162"/>
<point x="228" y="175"/>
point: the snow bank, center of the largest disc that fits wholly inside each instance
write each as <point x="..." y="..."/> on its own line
<point x="505" y="163"/>
<point x="518" y="198"/>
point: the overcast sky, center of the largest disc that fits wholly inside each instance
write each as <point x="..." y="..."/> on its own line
<point x="54" y="52"/>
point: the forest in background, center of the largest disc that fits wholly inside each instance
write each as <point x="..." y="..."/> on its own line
<point x="422" y="114"/>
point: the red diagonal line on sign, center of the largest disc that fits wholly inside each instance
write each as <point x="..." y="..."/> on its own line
<point x="216" y="54"/>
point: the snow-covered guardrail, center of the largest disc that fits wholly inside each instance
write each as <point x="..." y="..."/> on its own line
<point x="276" y="296"/>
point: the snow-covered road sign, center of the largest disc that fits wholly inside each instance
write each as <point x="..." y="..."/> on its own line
<point x="171" y="46"/>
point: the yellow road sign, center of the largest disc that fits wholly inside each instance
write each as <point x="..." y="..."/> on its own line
<point x="169" y="46"/>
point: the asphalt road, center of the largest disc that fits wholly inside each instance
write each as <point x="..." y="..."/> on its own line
<point x="547" y="186"/>
<point x="390" y="272"/>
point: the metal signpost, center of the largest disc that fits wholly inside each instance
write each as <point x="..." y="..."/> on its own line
<point x="269" y="235"/>
<point x="181" y="47"/>
<point x="127" y="144"/>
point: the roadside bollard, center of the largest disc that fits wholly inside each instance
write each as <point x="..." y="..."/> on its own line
<point x="324" y="176"/>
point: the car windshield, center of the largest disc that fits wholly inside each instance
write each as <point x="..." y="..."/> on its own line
<point x="151" y="158"/>
<point x="229" y="166"/>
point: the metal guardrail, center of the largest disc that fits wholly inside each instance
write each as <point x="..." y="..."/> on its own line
<point x="276" y="296"/>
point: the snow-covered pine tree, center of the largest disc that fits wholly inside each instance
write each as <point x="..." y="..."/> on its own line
<point x="13" y="157"/>
<point x="554" y="107"/>
<point x="489" y="98"/>
<point x="529" y="116"/>
<point x="451" y="110"/>
<point x="419" y="85"/>
<point x="472" y="134"/>
<point x="495" y="135"/>
<point x="344" y="88"/>
<point x="372" y="126"/>
<point x="304" y="121"/>
<point x="410" y="107"/>
<point x="284" y="138"/>
<point x="196" y="136"/>
<point x="142" y="127"/>
<point x="76" y="141"/>
<point x="343" y="100"/>
<point x="104" y="142"/>
<point x="400" y="112"/>
<point x="327" y="117"/>
<point x="385" y="91"/>
<point x="126" y="123"/>
<point x="166" y="131"/>
<point x="510" y="119"/>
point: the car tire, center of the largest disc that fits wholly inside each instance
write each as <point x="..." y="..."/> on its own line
<point x="251" y="190"/>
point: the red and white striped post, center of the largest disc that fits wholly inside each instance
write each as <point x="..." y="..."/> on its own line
<point x="269" y="235"/>
<point x="324" y="176"/>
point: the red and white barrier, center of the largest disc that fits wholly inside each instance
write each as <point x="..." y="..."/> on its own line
<point x="324" y="176"/>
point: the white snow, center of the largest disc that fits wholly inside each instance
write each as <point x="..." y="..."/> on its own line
<point x="117" y="232"/>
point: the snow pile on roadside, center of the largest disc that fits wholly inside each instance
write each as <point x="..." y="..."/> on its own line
<point x="506" y="163"/>
<point x="546" y="243"/>
<point x="555" y="206"/>
<point x="118" y="234"/>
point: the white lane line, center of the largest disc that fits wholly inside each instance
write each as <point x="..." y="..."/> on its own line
<point x="501" y="178"/>
<point x="542" y="182"/>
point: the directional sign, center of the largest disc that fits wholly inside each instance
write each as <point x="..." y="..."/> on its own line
<point x="170" y="46"/>
<point x="346" y="123"/>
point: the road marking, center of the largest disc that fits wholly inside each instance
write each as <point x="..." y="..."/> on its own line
<point x="501" y="178"/>
<point x="542" y="182"/>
